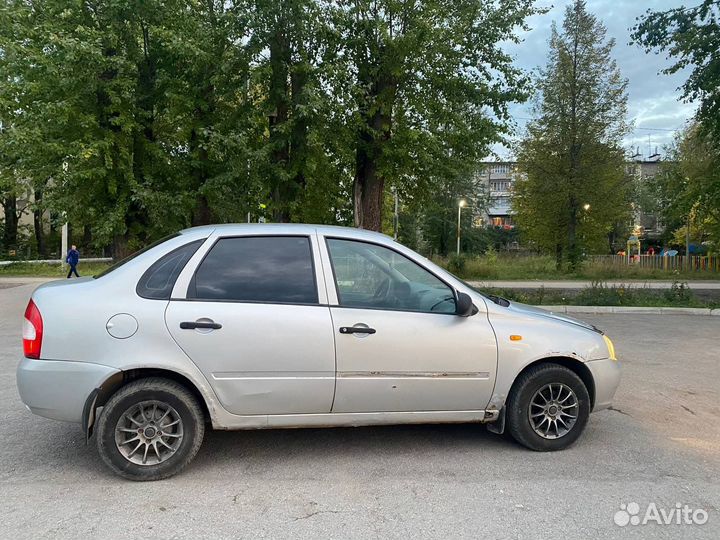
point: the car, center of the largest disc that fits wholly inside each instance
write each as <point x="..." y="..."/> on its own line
<point x="287" y="325"/>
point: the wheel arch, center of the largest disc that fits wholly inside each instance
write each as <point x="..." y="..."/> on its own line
<point x="102" y="394"/>
<point x="573" y="364"/>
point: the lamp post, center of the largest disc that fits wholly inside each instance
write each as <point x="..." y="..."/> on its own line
<point x="396" y="217"/>
<point x="461" y="204"/>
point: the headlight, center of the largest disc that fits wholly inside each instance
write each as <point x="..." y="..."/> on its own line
<point x="610" y="347"/>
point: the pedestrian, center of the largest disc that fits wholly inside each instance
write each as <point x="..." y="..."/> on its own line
<point x="73" y="257"/>
<point x="651" y="251"/>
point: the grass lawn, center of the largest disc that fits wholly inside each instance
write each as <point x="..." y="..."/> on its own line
<point x="500" y="267"/>
<point x="21" y="269"/>
<point x="599" y="294"/>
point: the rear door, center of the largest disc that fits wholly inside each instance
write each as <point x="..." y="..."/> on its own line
<point x="253" y="321"/>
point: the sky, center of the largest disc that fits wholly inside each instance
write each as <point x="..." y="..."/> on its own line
<point x="654" y="103"/>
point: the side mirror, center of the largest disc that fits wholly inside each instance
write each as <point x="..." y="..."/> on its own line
<point x="464" y="306"/>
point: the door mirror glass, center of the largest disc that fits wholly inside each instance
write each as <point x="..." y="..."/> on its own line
<point x="464" y="305"/>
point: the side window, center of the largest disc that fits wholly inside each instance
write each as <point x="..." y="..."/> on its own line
<point x="257" y="269"/>
<point x="158" y="281"/>
<point x="372" y="276"/>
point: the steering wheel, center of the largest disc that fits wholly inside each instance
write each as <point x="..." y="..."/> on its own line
<point x="446" y="299"/>
<point x="382" y="289"/>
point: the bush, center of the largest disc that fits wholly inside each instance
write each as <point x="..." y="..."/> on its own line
<point x="456" y="264"/>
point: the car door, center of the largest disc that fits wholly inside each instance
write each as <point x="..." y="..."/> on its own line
<point x="399" y="344"/>
<point x="252" y="321"/>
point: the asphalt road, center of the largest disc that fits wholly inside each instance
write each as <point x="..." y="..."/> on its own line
<point x="659" y="444"/>
<point x="581" y="284"/>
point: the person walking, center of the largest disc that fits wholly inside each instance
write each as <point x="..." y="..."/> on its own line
<point x="73" y="257"/>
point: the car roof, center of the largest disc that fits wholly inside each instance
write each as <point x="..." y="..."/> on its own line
<point x="287" y="228"/>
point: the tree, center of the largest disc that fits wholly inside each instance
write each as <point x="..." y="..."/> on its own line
<point x="300" y="157"/>
<point x="572" y="188"/>
<point x="687" y="188"/>
<point x="130" y="120"/>
<point x="691" y="35"/>
<point x="428" y="87"/>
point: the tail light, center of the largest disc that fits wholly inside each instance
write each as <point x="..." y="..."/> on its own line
<point x="32" y="331"/>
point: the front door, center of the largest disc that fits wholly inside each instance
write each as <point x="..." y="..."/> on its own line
<point x="253" y="324"/>
<point x="400" y="347"/>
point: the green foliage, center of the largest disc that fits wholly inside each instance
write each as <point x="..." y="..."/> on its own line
<point x="690" y="35"/>
<point x="420" y="78"/>
<point x="134" y="119"/>
<point x="23" y="269"/>
<point x="602" y="294"/>
<point x="456" y="264"/>
<point x="572" y="190"/>
<point x="499" y="266"/>
<point x="687" y="188"/>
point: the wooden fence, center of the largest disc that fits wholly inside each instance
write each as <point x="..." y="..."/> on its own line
<point x="659" y="262"/>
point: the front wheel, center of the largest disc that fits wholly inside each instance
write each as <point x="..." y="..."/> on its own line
<point x="548" y="408"/>
<point x="150" y="429"/>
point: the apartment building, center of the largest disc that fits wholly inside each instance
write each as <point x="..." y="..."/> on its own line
<point x="498" y="178"/>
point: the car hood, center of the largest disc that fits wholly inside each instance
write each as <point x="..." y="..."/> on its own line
<point x="524" y="309"/>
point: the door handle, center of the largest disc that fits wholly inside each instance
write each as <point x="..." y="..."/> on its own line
<point x="357" y="330"/>
<point x="192" y="325"/>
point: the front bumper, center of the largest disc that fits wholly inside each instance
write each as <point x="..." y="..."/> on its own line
<point x="606" y="375"/>
<point x="58" y="389"/>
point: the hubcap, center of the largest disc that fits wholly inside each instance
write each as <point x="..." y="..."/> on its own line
<point x="149" y="432"/>
<point x="553" y="411"/>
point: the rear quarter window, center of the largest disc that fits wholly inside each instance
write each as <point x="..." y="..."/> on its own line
<point x="158" y="281"/>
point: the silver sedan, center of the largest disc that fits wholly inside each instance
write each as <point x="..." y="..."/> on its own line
<point x="278" y="326"/>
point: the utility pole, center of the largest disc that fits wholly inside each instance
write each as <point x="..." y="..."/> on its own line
<point x="63" y="245"/>
<point x="396" y="217"/>
<point x="461" y="204"/>
<point x="687" y="242"/>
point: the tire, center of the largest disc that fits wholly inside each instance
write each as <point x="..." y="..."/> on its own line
<point x="132" y="416"/>
<point x="545" y="382"/>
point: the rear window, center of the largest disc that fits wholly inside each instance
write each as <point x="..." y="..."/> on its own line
<point x="273" y="269"/>
<point x="158" y="281"/>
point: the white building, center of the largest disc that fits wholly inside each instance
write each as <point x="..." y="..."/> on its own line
<point x="498" y="178"/>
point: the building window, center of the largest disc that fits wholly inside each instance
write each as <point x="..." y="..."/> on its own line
<point x="501" y="168"/>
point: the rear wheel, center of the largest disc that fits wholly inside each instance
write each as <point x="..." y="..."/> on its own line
<point x="150" y="429"/>
<point x="548" y="408"/>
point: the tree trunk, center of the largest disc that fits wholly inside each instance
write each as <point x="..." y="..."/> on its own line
<point x="298" y="137"/>
<point x="202" y="214"/>
<point x="11" y="222"/>
<point x="373" y="136"/>
<point x="38" y="225"/>
<point x="120" y="248"/>
<point x="87" y="236"/>
<point x="558" y="256"/>
<point x="278" y="98"/>
<point x="572" y="247"/>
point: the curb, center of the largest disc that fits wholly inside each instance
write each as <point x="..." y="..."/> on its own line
<point x="627" y="309"/>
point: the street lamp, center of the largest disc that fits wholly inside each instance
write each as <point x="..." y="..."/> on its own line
<point x="396" y="217"/>
<point x="461" y="205"/>
<point x="586" y="207"/>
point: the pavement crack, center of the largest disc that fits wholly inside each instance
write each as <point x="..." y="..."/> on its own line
<point x="689" y="410"/>
<point x="315" y="513"/>
<point x="611" y="408"/>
